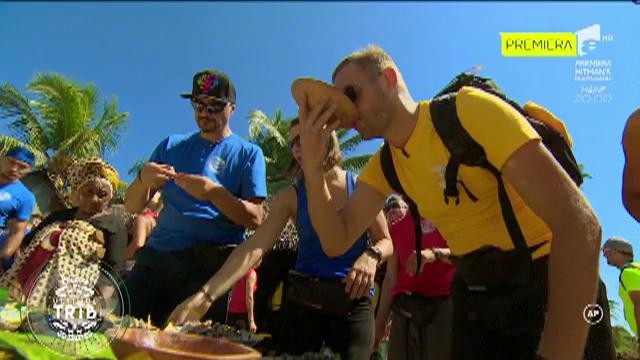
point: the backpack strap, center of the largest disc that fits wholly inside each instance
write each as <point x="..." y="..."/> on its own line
<point x="466" y="151"/>
<point x="389" y="171"/>
<point x="627" y="266"/>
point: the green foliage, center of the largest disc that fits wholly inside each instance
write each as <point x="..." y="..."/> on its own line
<point x="62" y="121"/>
<point x="59" y="123"/>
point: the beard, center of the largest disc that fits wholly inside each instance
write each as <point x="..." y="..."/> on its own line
<point x="210" y="125"/>
<point x="375" y="122"/>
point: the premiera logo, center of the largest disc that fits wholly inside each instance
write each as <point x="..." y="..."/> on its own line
<point x="567" y="44"/>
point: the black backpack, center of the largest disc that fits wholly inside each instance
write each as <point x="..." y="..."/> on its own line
<point x="465" y="151"/>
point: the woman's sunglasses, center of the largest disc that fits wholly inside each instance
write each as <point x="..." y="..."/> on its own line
<point x="210" y="109"/>
<point x="294" y="142"/>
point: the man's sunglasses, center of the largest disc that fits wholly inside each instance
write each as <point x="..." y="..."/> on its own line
<point x="394" y="205"/>
<point x="210" y="109"/>
<point x="351" y="92"/>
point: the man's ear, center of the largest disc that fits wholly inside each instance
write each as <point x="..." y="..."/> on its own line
<point x="391" y="77"/>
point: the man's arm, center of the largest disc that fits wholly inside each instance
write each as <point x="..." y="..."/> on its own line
<point x="631" y="173"/>
<point x="17" y="230"/>
<point x="380" y="237"/>
<point x="573" y="263"/>
<point x="152" y="177"/>
<point x="251" y="282"/>
<point x="248" y="213"/>
<point x="240" y="260"/>
<point x="384" y="308"/>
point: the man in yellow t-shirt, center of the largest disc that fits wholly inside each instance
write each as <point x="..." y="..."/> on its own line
<point x="548" y="206"/>
<point x="619" y="253"/>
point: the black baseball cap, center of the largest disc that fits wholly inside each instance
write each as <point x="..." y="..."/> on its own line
<point x="212" y="83"/>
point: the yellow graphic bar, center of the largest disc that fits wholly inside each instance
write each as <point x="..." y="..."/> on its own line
<point x="539" y="44"/>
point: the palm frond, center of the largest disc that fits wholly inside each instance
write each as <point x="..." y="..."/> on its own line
<point x="349" y="145"/>
<point x="260" y="125"/>
<point x="26" y="126"/>
<point x="110" y="126"/>
<point x="136" y="167"/>
<point x="356" y="163"/>
<point x="60" y="104"/>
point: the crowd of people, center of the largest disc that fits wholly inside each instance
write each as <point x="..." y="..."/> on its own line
<point x="458" y="284"/>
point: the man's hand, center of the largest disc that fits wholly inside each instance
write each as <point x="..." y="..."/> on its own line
<point x="200" y="187"/>
<point x="360" y="279"/>
<point x="427" y="257"/>
<point x="382" y="332"/>
<point x="154" y="175"/>
<point x="315" y="133"/>
<point x="252" y="327"/>
<point x="192" y="309"/>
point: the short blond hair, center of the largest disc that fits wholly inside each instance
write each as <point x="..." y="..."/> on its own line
<point x="373" y="59"/>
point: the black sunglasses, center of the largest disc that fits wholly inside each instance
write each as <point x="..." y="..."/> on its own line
<point x="351" y="93"/>
<point x="294" y="142"/>
<point x="393" y="205"/>
<point x="211" y="109"/>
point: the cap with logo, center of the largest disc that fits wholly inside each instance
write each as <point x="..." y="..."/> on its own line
<point x="214" y="84"/>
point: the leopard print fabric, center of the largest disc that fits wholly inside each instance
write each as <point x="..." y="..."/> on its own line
<point x="77" y="256"/>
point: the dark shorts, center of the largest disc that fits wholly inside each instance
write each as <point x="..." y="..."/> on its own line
<point x="421" y="328"/>
<point x="507" y="323"/>
<point x="160" y="281"/>
<point x="307" y="330"/>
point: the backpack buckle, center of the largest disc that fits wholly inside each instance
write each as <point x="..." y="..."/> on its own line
<point x="457" y="197"/>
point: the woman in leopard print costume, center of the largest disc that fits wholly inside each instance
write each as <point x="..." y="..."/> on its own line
<point x="69" y="244"/>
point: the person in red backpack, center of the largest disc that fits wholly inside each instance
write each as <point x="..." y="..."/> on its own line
<point x="241" y="304"/>
<point x="509" y="302"/>
<point x="420" y="303"/>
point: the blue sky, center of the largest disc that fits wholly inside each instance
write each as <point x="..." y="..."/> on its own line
<point x="146" y="53"/>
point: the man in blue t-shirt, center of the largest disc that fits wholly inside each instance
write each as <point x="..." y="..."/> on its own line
<point x="213" y="183"/>
<point x="16" y="201"/>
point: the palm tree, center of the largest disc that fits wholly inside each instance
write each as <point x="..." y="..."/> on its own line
<point x="349" y="142"/>
<point x="271" y="134"/>
<point x="60" y="123"/>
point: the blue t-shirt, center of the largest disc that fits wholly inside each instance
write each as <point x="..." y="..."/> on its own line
<point x="16" y="202"/>
<point x="233" y="162"/>
<point x="311" y="258"/>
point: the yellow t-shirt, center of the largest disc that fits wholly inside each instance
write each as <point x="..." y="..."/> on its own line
<point x="501" y="130"/>
<point x="630" y="277"/>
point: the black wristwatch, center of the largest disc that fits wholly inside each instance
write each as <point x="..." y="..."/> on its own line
<point x="375" y="252"/>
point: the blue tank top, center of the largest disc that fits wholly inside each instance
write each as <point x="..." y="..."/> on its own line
<point x="311" y="258"/>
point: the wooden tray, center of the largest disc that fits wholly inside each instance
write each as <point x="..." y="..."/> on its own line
<point x="163" y="345"/>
